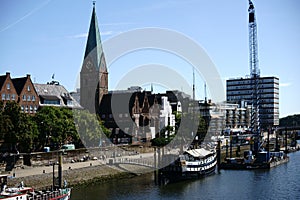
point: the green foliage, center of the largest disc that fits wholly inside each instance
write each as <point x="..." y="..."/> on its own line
<point x="56" y="127"/>
<point x="289" y="121"/>
<point x="202" y="129"/>
<point x="5" y="123"/>
<point x="188" y="125"/>
<point x="161" y="141"/>
<point x="10" y="127"/>
<point x="90" y="128"/>
<point x="50" y="126"/>
<point x="28" y="132"/>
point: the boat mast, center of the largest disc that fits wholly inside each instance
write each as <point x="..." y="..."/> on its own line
<point x="193" y="84"/>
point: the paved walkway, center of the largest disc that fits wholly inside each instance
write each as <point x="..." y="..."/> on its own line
<point x="30" y="171"/>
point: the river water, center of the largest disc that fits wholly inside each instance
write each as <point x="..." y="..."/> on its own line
<point x="281" y="182"/>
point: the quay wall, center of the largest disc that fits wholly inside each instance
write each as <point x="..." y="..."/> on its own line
<point x="47" y="158"/>
<point x="74" y="177"/>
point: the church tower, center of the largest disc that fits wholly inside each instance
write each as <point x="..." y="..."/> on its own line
<point x="93" y="74"/>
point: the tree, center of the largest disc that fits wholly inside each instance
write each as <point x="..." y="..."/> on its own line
<point x="290" y="121"/>
<point x="5" y="123"/>
<point x="12" y="116"/>
<point x="202" y="130"/>
<point x="56" y="127"/>
<point x="28" y="132"/>
<point x="90" y="128"/>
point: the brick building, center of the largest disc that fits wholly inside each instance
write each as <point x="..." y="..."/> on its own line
<point x="20" y="90"/>
<point x="7" y="89"/>
<point x="28" y="97"/>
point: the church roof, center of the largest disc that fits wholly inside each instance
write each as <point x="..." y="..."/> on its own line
<point x="93" y="45"/>
<point x="19" y="84"/>
<point x="2" y="80"/>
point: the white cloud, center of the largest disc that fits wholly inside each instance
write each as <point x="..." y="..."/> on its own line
<point x="80" y="35"/>
<point x="106" y="33"/>
<point x="285" y="84"/>
<point x="115" y="24"/>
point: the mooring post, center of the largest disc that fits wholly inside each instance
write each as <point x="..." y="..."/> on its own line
<point x="230" y="153"/>
<point x="268" y="143"/>
<point x="60" y="170"/>
<point x="53" y="176"/>
<point x="226" y="156"/>
<point x="286" y="149"/>
<point x="276" y="142"/>
<point x="219" y="154"/>
<point x="155" y="167"/>
<point x="159" y="165"/>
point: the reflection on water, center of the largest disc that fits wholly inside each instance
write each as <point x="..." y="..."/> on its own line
<point x="281" y="182"/>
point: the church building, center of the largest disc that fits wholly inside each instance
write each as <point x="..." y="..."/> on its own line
<point x="136" y="116"/>
<point x="93" y="75"/>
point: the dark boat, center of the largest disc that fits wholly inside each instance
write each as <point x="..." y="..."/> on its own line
<point x="194" y="163"/>
<point x="263" y="160"/>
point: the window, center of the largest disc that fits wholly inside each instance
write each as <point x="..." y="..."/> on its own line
<point x="28" y="88"/>
<point x="24" y="97"/>
<point x="22" y="108"/>
<point x="26" y="109"/>
<point x="33" y="98"/>
<point x="28" y="98"/>
<point x="8" y="97"/>
<point x="13" y="97"/>
<point x="70" y="103"/>
<point x="8" y="86"/>
<point x="3" y="96"/>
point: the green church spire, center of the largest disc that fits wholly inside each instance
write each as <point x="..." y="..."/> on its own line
<point x="93" y="74"/>
<point x="93" y="45"/>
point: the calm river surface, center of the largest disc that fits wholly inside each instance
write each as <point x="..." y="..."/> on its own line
<point x="281" y="182"/>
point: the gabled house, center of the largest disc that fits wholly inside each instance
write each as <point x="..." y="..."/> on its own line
<point x="20" y="90"/>
<point x="7" y="89"/>
<point x="28" y="98"/>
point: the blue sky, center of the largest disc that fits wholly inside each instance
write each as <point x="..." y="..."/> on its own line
<point x="42" y="37"/>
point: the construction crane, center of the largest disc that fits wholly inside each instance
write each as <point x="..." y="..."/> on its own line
<point x="254" y="69"/>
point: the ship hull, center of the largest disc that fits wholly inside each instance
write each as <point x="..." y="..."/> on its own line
<point x="185" y="169"/>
